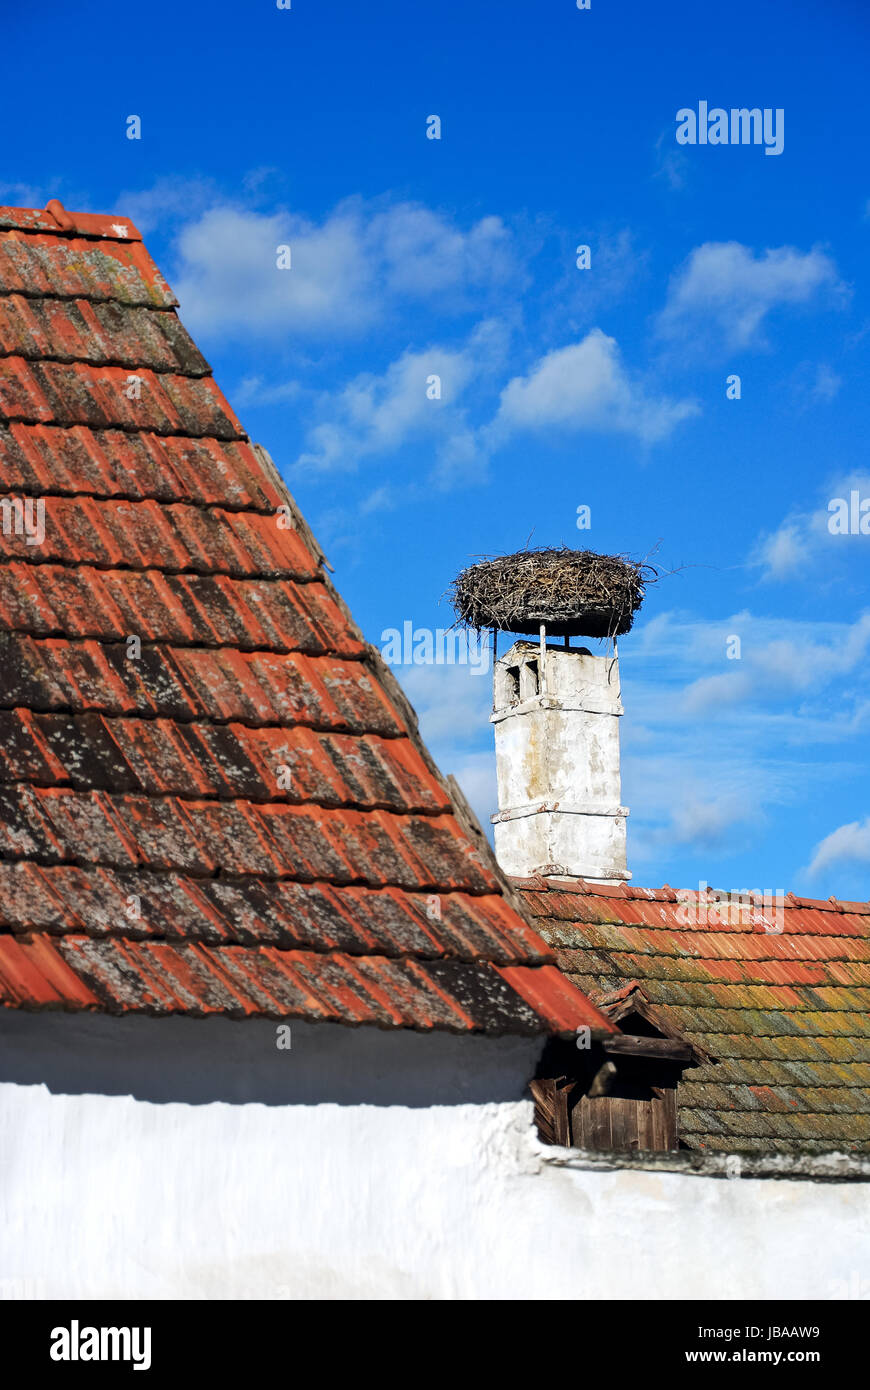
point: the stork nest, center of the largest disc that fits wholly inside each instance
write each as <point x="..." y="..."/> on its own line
<point x="572" y="591"/>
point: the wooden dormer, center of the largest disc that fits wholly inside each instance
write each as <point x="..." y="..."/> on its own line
<point x="619" y="1093"/>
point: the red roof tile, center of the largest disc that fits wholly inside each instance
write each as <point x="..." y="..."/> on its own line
<point x="46" y="266"/>
<point x="773" y="997"/>
<point x="75" y="330"/>
<point x="200" y="610"/>
<point x="48" y="459"/>
<point x="234" y="814"/>
<point x="171" y="537"/>
<point x="75" y="393"/>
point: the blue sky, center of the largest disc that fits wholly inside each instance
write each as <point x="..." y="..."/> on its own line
<point x="560" y="387"/>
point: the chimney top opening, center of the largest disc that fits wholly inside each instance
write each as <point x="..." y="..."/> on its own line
<point x="530" y="680"/>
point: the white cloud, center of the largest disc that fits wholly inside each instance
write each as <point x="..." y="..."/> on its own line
<point x="229" y="277"/>
<point x="712" y="692"/>
<point x="685" y="792"/>
<point x="582" y="387"/>
<point x="826" y="384"/>
<point x="802" y="540"/>
<point x="375" y="415"/>
<point x="777" y="667"/>
<point x="381" y="499"/>
<point x="453" y="703"/>
<point x="814" y="384"/>
<point x="671" y="163"/>
<point x="783" y="552"/>
<point x="708" y="823"/>
<point x="585" y="387"/>
<point x="780" y="658"/>
<point x="23" y="195"/>
<point x="169" y="201"/>
<point x="346" y="270"/>
<point x="253" y="390"/>
<point x="849" y="844"/>
<point x="723" y="289"/>
<point x="255" y="180"/>
<point x="573" y="302"/>
<point x="424" y="255"/>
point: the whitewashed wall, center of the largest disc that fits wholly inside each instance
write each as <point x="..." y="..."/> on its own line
<point x="104" y="1195"/>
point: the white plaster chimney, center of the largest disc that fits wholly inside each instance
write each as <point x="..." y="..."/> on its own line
<point x="556" y="713"/>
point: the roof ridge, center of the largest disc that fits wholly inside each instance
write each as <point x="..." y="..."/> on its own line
<point x="56" y="220"/>
<point x="634" y="892"/>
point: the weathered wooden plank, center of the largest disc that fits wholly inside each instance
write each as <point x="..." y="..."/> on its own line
<point x="562" y="1124"/>
<point x="658" y="1125"/>
<point x="543" y="1093"/>
<point x="646" y="1124"/>
<point x="617" y="1121"/>
<point x="669" y="1109"/>
<point x="597" y="1121"/>
<point x="552" y="1117"/>
<point x="660" y="1049"/>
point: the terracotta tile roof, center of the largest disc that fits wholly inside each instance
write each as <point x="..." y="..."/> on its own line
<point x="781" y="1007"/>
<point x="239" y="817"/>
